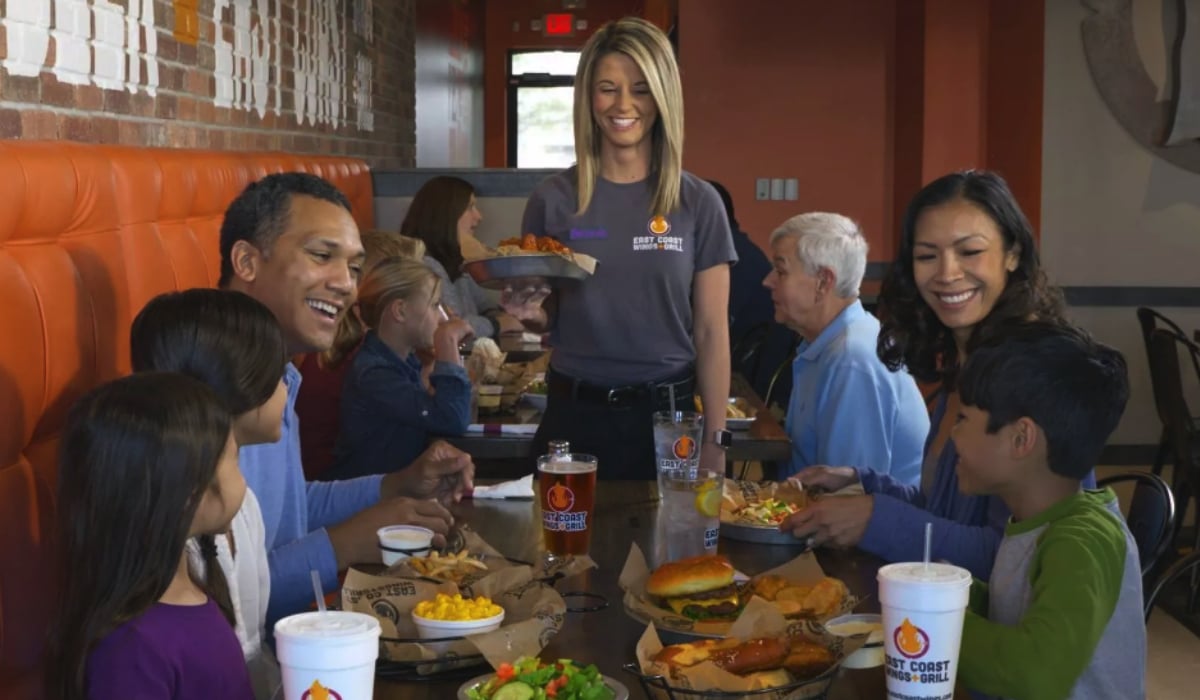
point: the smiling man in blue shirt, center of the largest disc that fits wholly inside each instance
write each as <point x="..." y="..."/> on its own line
<point x="846" y="408"/>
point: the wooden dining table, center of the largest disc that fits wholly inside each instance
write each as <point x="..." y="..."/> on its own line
<point x="625" y="513"/>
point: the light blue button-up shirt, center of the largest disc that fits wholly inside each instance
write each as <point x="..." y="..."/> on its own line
<point x="848" y="409"/>
<point x="296" y="513"/>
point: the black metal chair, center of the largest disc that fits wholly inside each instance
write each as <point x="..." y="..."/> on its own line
<point x="1150" y="320"/>
<point x="1187" y="566"/>
<point x="1150" y="517"/>
<point x="746" y="351"/>
<point x="1181" y="429"/>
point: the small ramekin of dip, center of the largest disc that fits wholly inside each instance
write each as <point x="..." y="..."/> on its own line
<point x="870" y="655"/>
<point x="398" y="542"/>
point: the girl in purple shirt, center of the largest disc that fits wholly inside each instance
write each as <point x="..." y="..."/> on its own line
<point x="146" y="462"/>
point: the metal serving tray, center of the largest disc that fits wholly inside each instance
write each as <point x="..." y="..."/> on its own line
<point x="499" y="271"/>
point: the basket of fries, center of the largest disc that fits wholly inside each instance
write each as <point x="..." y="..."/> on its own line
<point x="456" y="568"/>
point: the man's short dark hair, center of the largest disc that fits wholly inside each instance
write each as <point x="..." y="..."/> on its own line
<point x="261" y="212"/>
<point x="1072" y="386"/>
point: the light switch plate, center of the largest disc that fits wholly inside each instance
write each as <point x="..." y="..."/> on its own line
<point x="791" y="189"/>
<point x="777" y="188"/>
<point x="762" y="189"/>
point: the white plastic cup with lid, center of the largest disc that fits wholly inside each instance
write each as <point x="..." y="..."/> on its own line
<point x="923" y="607"/>
<point x="327" y="654"/>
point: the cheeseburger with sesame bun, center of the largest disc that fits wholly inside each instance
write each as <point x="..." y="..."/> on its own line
<point x="699" y="588"/>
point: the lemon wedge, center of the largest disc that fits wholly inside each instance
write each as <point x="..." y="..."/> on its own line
<point x="708" y="501"/>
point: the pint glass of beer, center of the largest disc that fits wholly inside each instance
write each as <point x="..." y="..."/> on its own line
<point x="567" y="494"/>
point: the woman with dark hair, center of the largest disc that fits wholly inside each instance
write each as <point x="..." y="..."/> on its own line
<point x="146" y="462"/>
<point x="444" y="214"/>
<point x="233" y="344"/>
<point x="966" y="270"/>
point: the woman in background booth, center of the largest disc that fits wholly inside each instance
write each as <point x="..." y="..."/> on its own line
<point x="324" y="373"/>
<point x="967" y="268"/>
<point x="444" y="214"/>
<point x="650" y="327"/>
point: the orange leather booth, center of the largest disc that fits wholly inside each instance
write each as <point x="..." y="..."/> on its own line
<point x="88" y="234"/>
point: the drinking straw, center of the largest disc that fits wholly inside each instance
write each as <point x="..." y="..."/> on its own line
<point x="320" y="594"/>
<point x="928" y="544"/>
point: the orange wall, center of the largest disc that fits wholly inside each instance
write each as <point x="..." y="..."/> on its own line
<point x="863" y="101"/>
<point x="792" y="89"/>
<point x="499" y="39"/>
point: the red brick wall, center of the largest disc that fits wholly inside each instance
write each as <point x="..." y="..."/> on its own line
<point x="184" y="111"/>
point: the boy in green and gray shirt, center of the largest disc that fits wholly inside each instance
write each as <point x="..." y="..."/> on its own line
<point x="1061" y="616"/>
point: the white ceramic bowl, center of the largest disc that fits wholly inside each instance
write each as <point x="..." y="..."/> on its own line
<point x="397" y="542"/>
<point x="438" y="629"/>
<point x="870" y="654"/>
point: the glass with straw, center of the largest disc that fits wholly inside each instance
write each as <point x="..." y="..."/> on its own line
<point x="327" y="653"/>
<point x="923" y="605"/>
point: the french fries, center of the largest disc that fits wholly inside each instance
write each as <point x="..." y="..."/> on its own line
<point x="450" y="567"/>
<point x="732" y="410"/>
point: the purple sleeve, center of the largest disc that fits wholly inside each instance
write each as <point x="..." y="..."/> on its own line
<point x="896" y="532"/>
<point x="127" y="666"/>
<point x="881" y="484"/>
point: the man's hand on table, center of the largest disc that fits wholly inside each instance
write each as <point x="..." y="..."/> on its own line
<point x="442" y="472"/>
<point x="836" y="521"/>
<point x="355" y="541"/>
<point x="828" y="478"/>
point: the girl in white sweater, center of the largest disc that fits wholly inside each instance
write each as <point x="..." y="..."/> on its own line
<point x="232" y="343"/>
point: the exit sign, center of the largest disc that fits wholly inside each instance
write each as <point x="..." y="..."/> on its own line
<point x="558" y="24"/>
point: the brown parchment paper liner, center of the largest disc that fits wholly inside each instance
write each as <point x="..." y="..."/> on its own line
<point x="476" y="547"/>
<point x="759" y="619"/>
<point x="802" y="571"/>
<point x="533" y="614"/>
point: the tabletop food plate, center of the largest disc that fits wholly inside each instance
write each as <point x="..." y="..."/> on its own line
<point x="743" y="532"/>
<point x="620" y="692"/>
<point x="497" y="272"/>
<point x="751" y="511"/>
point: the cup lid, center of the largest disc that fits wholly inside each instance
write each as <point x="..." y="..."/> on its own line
<point x="328" y="624"/>
<point x="933" y="573"/>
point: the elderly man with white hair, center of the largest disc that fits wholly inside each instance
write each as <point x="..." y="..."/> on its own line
<point x="847" y="408"/>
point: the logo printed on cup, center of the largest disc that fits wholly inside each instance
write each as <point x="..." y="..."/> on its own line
<point x="684" y="447"/>
<point x="710" y="537"/>
<point x="560" y="497"/>
<point x="911" y="641"/>
<point x="320" y="692"/>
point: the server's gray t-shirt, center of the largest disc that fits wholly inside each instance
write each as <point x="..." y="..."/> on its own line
<point x="632" y="321"/>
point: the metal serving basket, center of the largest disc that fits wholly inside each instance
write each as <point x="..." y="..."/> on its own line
<point x="660" y="688"/>
<point x="500" y="271"/>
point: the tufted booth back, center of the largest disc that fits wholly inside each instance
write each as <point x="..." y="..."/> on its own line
<point x="88" y="234"/>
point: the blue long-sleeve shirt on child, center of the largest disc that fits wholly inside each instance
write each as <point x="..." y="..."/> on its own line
<point x="966" y="529"/>
<point x="387" y="414"/>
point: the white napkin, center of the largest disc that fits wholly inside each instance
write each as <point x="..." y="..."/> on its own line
<point x="518" y="488"/>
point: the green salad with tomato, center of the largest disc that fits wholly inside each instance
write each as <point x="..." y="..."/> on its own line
<point x="529" y="678"/>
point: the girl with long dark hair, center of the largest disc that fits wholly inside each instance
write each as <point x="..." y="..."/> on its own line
<point x="233" y="344"/>
<point x="146" y="462"/>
